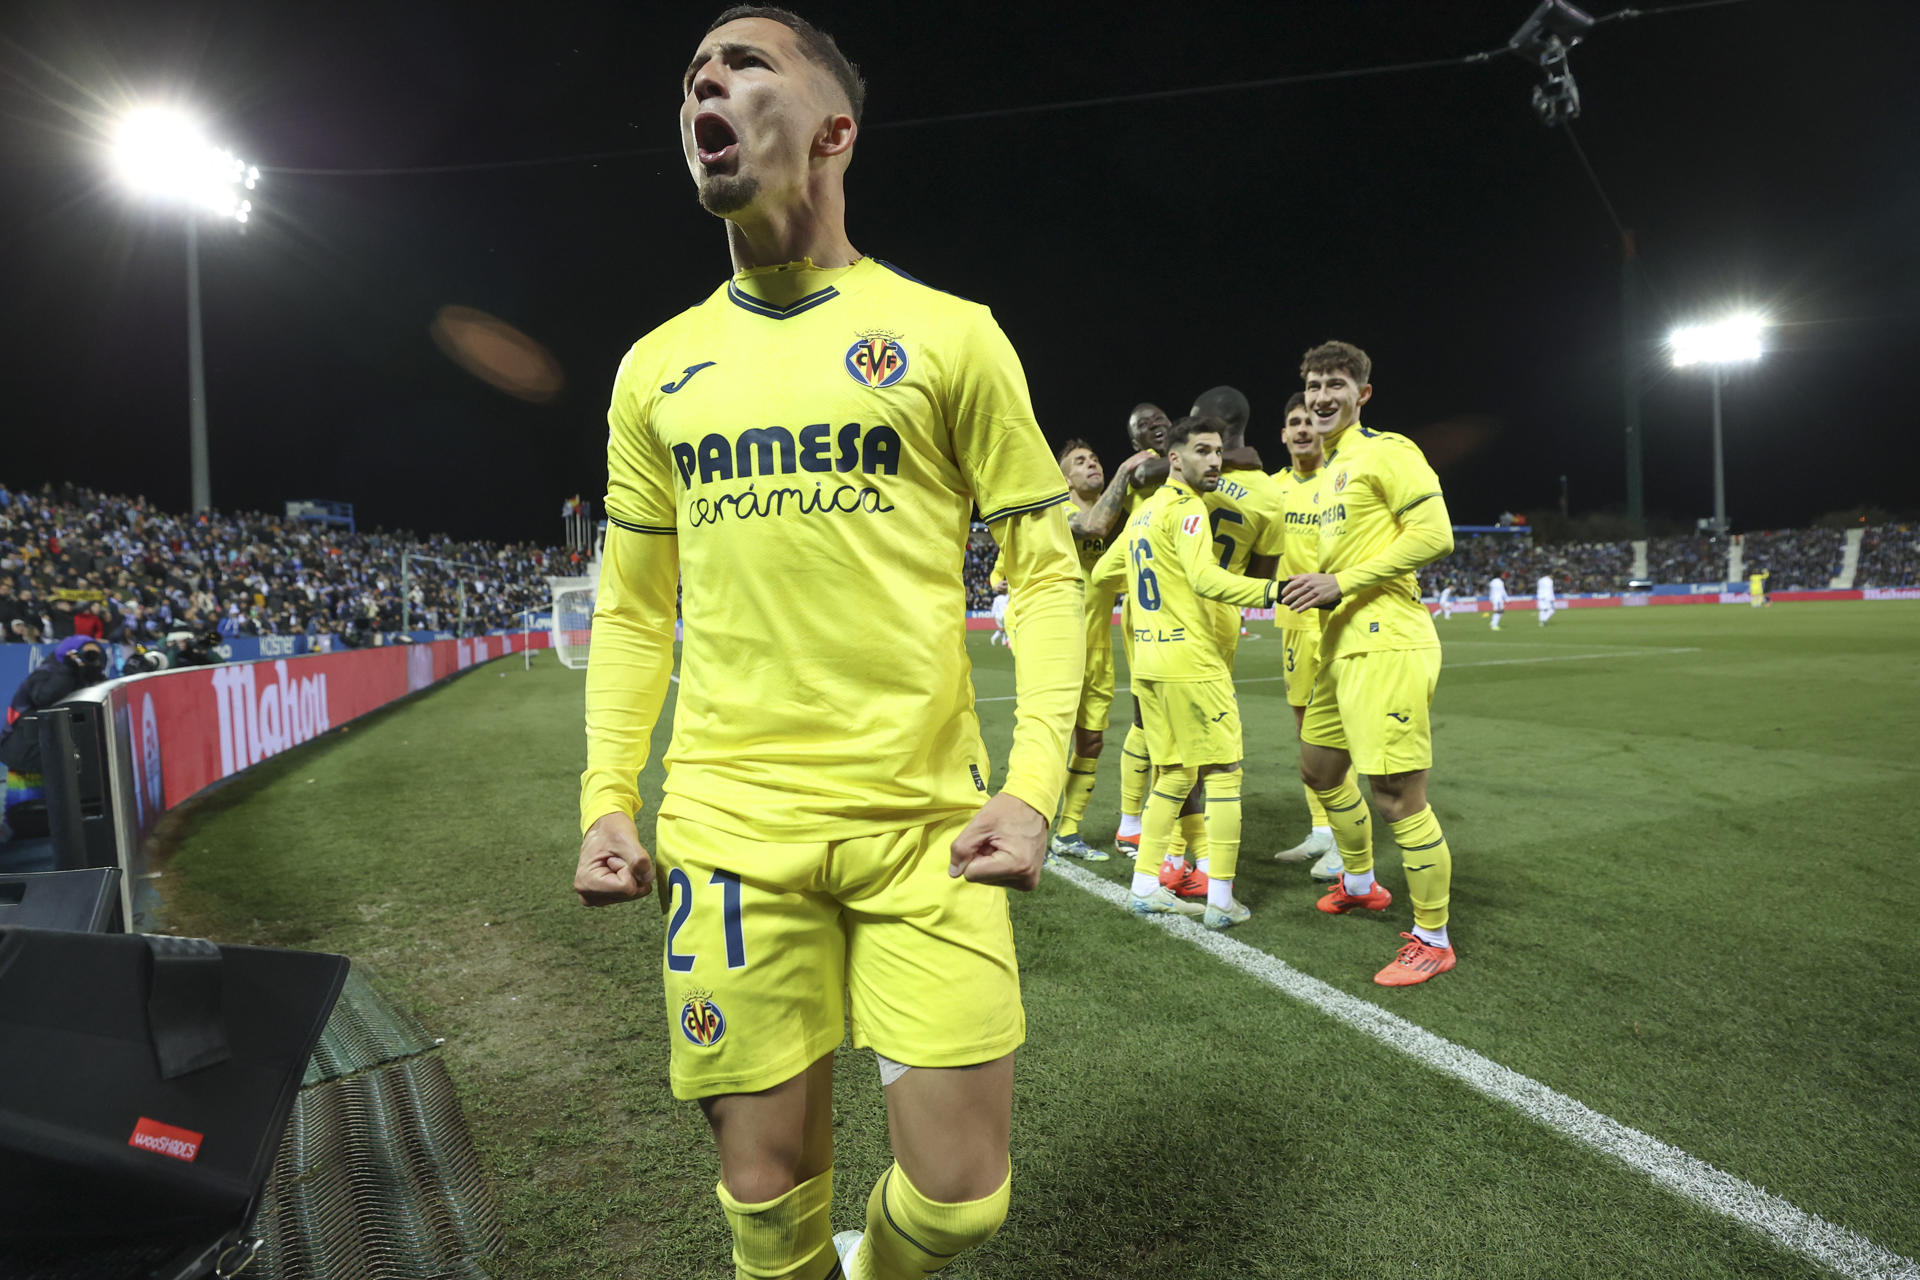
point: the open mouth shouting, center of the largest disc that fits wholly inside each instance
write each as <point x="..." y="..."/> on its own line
<point x="715" y="144"/>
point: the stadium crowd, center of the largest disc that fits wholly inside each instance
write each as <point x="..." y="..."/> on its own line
<point x="1890" y="557"/>
<point x="1577" y="567"/>
<point x="1691" y="557"/>
<point x="75" y="561"/>
<point x="1796" y="559"/>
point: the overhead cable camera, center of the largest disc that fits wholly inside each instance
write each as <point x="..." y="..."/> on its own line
<point x="1544" y="40"/>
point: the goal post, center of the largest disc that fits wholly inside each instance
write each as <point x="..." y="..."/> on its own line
<point x="572" y="619"/>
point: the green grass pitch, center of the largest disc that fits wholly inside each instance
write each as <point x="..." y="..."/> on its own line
<point x="1684" y="894"/>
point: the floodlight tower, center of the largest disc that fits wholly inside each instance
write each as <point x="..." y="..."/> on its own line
<point x="1735" y="339"/>
<point x="164" y="154"/>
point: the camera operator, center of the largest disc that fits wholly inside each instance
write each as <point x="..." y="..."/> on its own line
<point x="75" y="663"/>
<point x="199" y="648"/>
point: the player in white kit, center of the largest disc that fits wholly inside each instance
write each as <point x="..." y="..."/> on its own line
<point x="1497" y="597"/>
<point x="1446" y="602"/>
<point x="1543" y="599"/>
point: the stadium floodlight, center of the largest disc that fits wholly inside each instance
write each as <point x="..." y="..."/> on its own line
<point x="164" y="154"/>
<point x="1734" y="339"/>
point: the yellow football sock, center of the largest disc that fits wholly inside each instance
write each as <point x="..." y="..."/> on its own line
<point x="1347" y="815"/>
<point x="1170" y="787"/>
<point x="1318" y="811"/>
<point x="1223" y="824"/>
<point x="1193" y="834"/>
<point x="1080" y="778"/>
<point x="1136" y="772"/>
<point x="909" y="1235"/>
<point x="787" y="1238"/>
<point x="1429" y="867"/>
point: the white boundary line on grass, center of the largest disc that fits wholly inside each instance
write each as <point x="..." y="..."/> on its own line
<point x="1484" y="662"/>
<point x="1847" y="1252"/>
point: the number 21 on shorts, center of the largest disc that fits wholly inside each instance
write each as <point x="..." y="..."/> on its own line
<point x="680" y="885"/>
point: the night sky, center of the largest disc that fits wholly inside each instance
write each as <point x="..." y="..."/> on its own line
<point x="1765" y="153"/>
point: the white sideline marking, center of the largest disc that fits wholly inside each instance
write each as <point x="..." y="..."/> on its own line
<point x="1847" y="1252"/>
<point x="1566" y="657"/>
<point x="1484" y="662"/>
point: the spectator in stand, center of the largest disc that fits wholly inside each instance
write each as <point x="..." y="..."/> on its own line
<point x="1889" y="557"/>
<point x="1798" y="559"/>
<point x="264" y="574"/>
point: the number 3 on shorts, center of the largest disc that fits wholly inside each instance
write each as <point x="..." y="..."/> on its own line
<point x="681" y="887"/>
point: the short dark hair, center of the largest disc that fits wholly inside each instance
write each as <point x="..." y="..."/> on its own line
<point x="1298" y="400"/>
<point x="1229" y="404"/>
<point x="1186" y="428"/>
<point x="1070" y="446"/>
<point x="1338" y="357"/>
<point x="820" y="48"/>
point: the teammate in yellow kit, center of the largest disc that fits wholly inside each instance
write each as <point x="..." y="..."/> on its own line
<point x="1180" y="676"/>
<point x="1382" y="518"/>
<point x="1147" y="428"/>
<point x="1243" y="513"/>
<point x="1098" y="508"/>
<point x="1299" y="483"/>
<point x="825" y="843"/>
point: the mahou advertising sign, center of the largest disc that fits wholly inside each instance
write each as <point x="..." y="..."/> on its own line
<point x="212" y="722"/>
<point x="178" y="732"/>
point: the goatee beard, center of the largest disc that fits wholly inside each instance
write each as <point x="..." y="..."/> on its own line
<point x="728" y="193"/>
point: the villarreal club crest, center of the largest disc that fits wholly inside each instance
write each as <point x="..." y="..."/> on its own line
<point x="877" y="359"/>
<point x="701" y="1020"/>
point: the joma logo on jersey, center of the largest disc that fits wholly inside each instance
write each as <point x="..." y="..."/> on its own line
<point x="776" y="451"/>
<point x="876" y="360"/>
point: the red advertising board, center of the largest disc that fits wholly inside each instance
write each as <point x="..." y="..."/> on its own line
<point x="188" y="729"/>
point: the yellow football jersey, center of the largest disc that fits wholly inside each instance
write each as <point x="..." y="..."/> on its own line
<point x="1172" y="576"/>
<point x="1137" y="498"/>
<point x="1245" y="515"/>
<point x="1300" y="540"/>
<point x="1369" y="480"/>
<point x="819" y="441"/>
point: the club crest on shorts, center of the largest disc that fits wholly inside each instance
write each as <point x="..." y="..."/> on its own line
<point x="701" y="1021"/>
<point x="1340" y="482"/>
<point x="877" y="359"/>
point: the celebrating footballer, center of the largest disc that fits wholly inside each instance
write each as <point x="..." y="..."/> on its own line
<point x="826" y="846"/>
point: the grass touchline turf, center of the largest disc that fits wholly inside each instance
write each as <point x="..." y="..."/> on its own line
<point x="1847" y="1252"/>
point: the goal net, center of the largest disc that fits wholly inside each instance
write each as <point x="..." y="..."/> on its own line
<point x="572" y="620"/>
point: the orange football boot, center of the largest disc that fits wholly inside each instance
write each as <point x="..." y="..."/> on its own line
<point x="1337" y="901"/>
<point x="1182" y="880"/>
<point x="1416" y="962"/>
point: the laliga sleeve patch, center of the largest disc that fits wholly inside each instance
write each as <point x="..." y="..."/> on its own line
<point x="1193" y="524"/>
